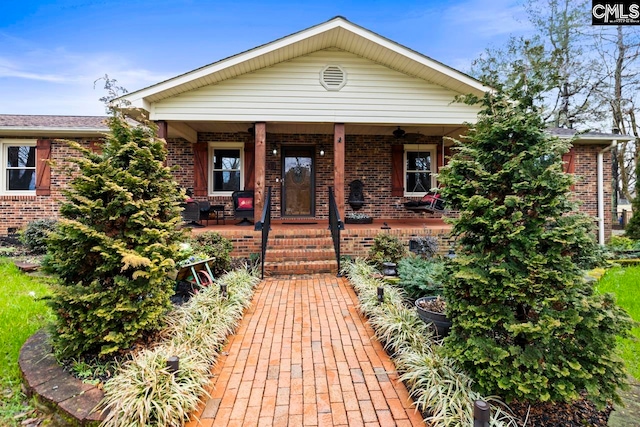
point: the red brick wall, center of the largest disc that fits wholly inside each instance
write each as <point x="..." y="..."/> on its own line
<point x="17" y="211"/>
<point x="356" y="242"/>
<point x="586" y="187"/>
<point x="368" y="158"/>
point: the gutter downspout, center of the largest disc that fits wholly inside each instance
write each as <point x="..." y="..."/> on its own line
<point x="601" y="190"/>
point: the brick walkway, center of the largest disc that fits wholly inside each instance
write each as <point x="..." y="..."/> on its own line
<point x="303" y="355"/>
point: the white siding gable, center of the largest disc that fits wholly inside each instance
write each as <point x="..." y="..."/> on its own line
<point x="292" y="92"/>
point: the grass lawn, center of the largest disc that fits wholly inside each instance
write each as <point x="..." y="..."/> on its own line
<point x="22" y="312"/>
<point x="625" y="284"/>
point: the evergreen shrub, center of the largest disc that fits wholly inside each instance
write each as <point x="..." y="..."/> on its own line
<point x="526" y="323"/>
<point x="35" y="234"/>
<point x="214" y="245"/>
<point x="386" y="248"/>
<point x="116" y="243"/>
<point x="420" y="277"/>
<point x="632" y="230"/>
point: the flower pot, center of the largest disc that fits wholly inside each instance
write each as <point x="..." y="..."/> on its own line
<point x="438" y="321"/>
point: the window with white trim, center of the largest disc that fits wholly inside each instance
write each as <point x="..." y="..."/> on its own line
<point x="419" y="169"/>
<point x="226" y="163"/>
<point x="18" y="163"/>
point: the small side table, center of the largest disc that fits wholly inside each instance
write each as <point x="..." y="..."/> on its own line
<point x="218" y="211"/>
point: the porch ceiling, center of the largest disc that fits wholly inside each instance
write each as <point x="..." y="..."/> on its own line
<point x="315" y="128"/>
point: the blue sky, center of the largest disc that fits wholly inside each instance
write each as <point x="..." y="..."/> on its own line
<point x="51" y="52"/>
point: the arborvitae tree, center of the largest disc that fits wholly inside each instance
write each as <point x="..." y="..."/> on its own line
<point x="526" y="323"/>
<point x="632" y="229"/>
<point x="116" y="243"/>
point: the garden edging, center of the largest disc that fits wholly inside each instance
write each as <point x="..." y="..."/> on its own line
<point x="68" y="397"/>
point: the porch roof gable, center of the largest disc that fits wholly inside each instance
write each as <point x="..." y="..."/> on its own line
<point x="335" y="33"/>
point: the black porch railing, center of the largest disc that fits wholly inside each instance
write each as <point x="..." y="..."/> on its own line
<point x="264" y="225"/>
<point x="335" y="225"/>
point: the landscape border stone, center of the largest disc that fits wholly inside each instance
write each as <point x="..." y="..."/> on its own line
<point x="52" y="386"/>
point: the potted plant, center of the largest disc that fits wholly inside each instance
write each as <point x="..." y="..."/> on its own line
<point x="421" y="279"/>
<point x="357" y="218"/>
<point x="432" y="310"/>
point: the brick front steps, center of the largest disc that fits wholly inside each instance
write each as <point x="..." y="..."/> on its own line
<point x="307" y="248"/>
<point x="300" y="251"/>
<point x="71" y="400"/>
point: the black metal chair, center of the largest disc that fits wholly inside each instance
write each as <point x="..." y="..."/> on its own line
<point x="243" y="206"/>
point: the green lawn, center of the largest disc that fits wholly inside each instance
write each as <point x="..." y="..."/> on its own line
<point x="22" y="312"/>
<point x="625" y="284"/>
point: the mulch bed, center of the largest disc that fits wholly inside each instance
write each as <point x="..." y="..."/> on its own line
<point x="576" y="414"/>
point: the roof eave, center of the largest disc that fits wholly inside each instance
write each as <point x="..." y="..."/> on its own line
<point x="596" y="139"/>
<point x="68" y="132"/>
<point x="140" y="98"/>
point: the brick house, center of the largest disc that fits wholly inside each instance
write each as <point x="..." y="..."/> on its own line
<point x="321" y="108"/>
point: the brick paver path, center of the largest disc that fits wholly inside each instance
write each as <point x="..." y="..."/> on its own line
<point x="304" y="356"/>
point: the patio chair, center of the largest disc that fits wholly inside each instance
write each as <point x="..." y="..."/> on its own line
<point x="191" y="214"/>
<point x="243" y="206"/>
<point x="431" y="202"/>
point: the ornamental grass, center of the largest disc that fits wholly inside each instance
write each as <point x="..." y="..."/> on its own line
<point x="144" y="392"/>
<point x="440" y="389"/>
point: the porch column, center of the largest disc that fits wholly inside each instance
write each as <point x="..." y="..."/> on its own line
<point x="163" y="132"/>
<point x="338" y="166"/>
<point x="163" y="129"/>
<point x="259" y="168"/>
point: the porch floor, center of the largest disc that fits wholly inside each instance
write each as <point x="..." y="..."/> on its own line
<point x="323" y="224"/>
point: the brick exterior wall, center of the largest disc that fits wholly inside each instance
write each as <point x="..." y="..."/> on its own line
<point x="367" y="158"/>
<point x="355" y="242"/>
<point x="18" y="211"/>
<point x="585" y="191"/>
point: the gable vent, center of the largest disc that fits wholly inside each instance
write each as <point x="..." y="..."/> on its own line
<point x="333" y="77"/>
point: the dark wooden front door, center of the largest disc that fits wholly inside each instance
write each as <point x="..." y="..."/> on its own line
<point x="298" y="195"/>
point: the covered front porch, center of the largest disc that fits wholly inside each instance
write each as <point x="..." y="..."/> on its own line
<point x="373" y="169"/>
<point x="334" y="106"/>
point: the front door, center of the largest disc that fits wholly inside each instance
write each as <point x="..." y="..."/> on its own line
<point x="298" y="196"/>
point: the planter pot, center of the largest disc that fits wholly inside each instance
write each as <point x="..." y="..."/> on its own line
<point x="389" y="269"/>
<point x="438" y="321"/>
<point x="358" y="220"/>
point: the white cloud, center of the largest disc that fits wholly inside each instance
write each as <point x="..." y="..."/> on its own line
<point x="59" y="81"/>
<point x="8" y="71"/>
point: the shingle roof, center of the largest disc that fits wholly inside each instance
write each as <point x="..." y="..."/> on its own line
<point x="594" y="137"/>
<point x="66" y="122"/>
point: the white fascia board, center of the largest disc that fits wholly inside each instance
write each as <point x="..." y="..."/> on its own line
<point x="596" y="139"/>
<point x="225" y="63"/>
<point x="298" y="37"/>
<point x="422" y="59"/>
